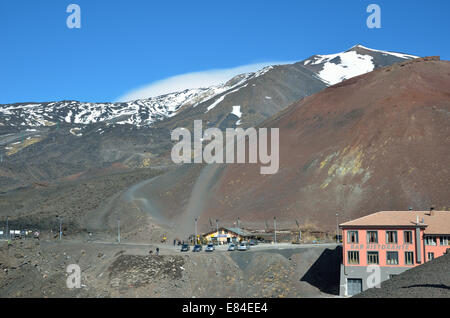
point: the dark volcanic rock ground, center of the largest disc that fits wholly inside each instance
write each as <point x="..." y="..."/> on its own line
<point x="31" y="268"/>
<point x="430" y="280"/>
<point x="37" y="207"/>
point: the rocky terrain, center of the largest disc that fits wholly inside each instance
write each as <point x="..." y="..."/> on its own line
<point x="430" y="280"/>
<point x="38" y="269"/>
<point x="38" y="206"/>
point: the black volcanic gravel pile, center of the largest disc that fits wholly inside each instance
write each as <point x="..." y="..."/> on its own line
<point x="430" y="280"/>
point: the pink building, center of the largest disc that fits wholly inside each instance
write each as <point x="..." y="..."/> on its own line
<point x="393" y="240"/>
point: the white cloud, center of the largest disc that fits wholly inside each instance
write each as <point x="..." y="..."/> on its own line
<point x="192" y="80"/>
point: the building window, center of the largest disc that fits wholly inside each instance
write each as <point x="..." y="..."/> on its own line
<point x="353" y="257"/>
<point x="408" y="237"/>
<point x="430" y="256"/>
<point x="352" y="237"/>
<point x="409" y="258"/>
<point x="372" y="258"/>
<point x="372" y="237"/>
<point x="444" y="240"/>
<point x="391" y="237"/>
<point x="430" y="240"/>
<point x="392" y="258"/>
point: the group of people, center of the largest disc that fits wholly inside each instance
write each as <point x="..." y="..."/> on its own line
<point x="156" y="251"/>
<point x="177" y="242"/>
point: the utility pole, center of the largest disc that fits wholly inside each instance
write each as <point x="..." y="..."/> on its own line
<point x="275" y="229"/>
<point x="337" y="228"/>
<point x="118" y="230"/>
<point x="7" y="228"/>
<point x="217" y="226"/>
<point x="195" y="237"/>
<point x="299" y="231"/>
<point x="60" y="228"/>
<point x="238" y="230"/>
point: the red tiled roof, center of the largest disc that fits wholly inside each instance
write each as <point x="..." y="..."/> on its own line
<point x="439" y="223"/>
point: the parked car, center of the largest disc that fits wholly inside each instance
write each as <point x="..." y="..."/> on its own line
<point x="243" y="246"/>
<point x="232" y="247"/>
<point x="253" y="242"/>
<point x="197" y="248"/>
<point x="210" y="248"/>
<point x="185" y="247"/>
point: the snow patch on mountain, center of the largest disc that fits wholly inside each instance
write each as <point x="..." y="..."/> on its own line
<point x="345" y="65"/>
<point x="76" y="132"/>
<point x="237" y="111"/>
<point x="221" y="98"/>
<point x="351" y="64"/>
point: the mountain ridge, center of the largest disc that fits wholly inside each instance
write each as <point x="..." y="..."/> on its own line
<point x="149" y="111"/>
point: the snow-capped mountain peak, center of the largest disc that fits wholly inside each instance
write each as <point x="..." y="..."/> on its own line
<point x="358" y="60"/>
<point x="330" y="69"/>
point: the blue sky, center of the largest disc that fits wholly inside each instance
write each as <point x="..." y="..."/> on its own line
<point x="125" y="45"/>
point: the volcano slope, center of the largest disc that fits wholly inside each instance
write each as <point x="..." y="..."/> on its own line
<point x="41" y="142"/>
<point x="379" y="141"/>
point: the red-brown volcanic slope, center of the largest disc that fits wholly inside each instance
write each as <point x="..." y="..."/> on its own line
<point x="380" y="141"/>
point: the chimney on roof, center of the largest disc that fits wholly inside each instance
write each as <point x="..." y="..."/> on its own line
<point x="432" y="211"/>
